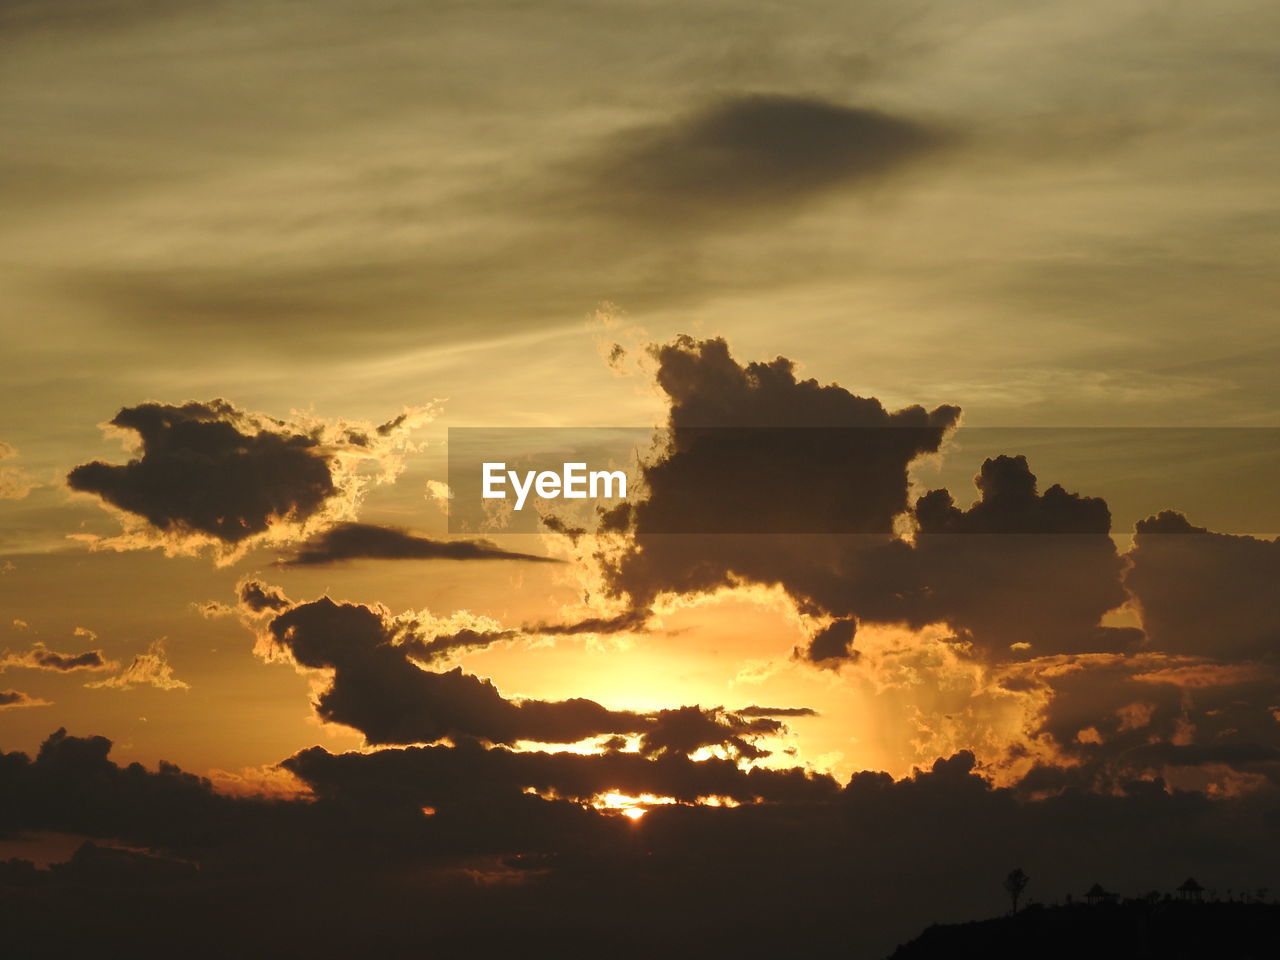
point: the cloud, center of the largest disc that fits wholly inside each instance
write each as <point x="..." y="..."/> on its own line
<point x="756" y="711"/>
<point x="769" y="478"/>
<point x="350" y="541"/>
<point x="1114" y="717"/>
<point x="379" y="685"/>
<point x="147" y="669"/>
<point x="211" y="475"/>
<point x="684" y="730"/>
<point x="628" y="621"/>
<point x="833" y="642"/>
<point x="41" y="657"/>
<point x="15" y="483"/>
<point x="259" y="598"/>
<point x="1018" y="566"/>
<point x="476" y="633"/>
<point x="377" y="689"/>
<point x="1205" y="593"/>
<point x="749" y="156"/>
<point x="15" y="699"/>
<point x="451" y="776"/>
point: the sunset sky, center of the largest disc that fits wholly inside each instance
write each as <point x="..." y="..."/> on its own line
<point x="287" y="247"/>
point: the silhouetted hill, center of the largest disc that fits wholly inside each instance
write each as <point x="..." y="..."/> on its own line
<point x="1133" y="930"/>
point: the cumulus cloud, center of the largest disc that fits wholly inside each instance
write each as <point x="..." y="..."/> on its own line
<point x="765" y="476"/>
<point x="351" y="541"/>
<point x="147" y="669"/>
<point x="1205" y="593"/>
<point x="41" y="657"/>
<point x="1019" y="566"/>
<point x="773" y="480"/>
<point x="211" y="475"/>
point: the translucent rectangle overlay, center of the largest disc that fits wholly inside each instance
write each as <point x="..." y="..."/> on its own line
<point x="822" y="480"/>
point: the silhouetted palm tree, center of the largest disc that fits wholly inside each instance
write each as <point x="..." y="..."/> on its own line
<point x="1014" y="884"/>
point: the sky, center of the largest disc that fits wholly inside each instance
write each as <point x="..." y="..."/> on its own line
<point x="258" y="260"/>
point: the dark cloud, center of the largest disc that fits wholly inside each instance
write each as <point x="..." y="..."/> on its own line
<point x="625" y="622"/>
<point x="204" y="468"/>
<point x="1113" y="718"/>
<point x="257" y="597"/>
<point x="380" y="688"/>
<point x="822" y="867"/>
<point x="1205" y="593"/>
<point x="380" y="691"/>
<point x="766" y="476"/>
<point x="686" y="729"/>
<point x="41" y="657"/>
<point x="749" y="156"/>
<point x="768" y="479"/>
<point x="351" y="541"/>
<point x="442" y="645"/>
<point x="451" y="776"/>
<point x="1019" y="566"/>
<point x="833" y="642"/>
<point x="757" y="711"/>
<point x="209" y="472"/>
<point x="14" y="699"/>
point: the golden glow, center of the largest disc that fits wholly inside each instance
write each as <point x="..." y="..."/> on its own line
<point x="627" y="805"/>
<point x="591" y="746"/>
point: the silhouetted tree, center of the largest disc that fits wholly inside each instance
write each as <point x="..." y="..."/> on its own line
<point x="1014" y="884"/>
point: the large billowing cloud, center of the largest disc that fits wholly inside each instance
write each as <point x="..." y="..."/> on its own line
<point x="764" y="478"/>
<point x="1206" y="593"/>
<point x="774" y="480"/>
<point x="762" y="481"/>
<point x="210" y="474"/>
<point x="1189" y="720"/>
<point x="352" y="541"/>
<point x="1020" y="567"/>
